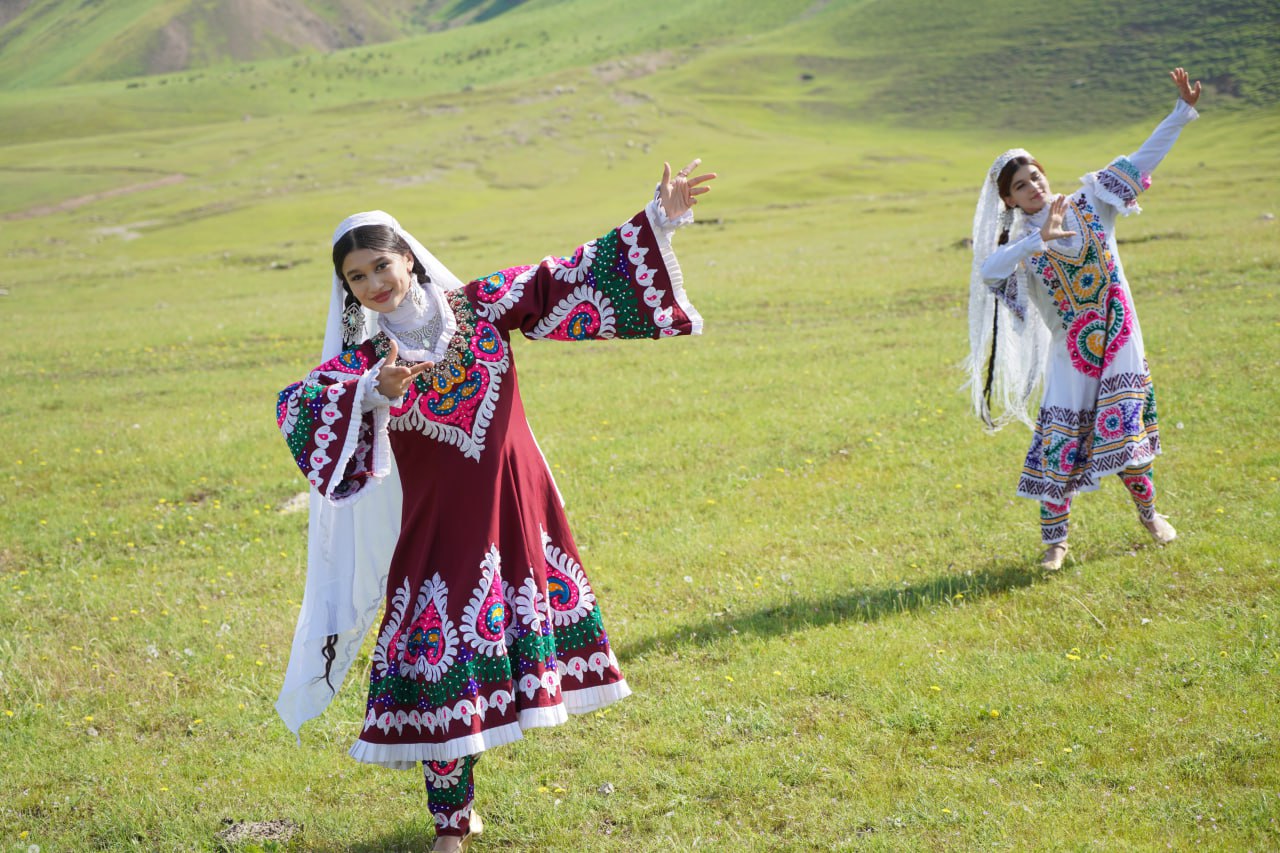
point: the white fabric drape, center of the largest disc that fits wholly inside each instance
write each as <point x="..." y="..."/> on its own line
<point x="349" y="547"/>
<point x="1008" y="340"/>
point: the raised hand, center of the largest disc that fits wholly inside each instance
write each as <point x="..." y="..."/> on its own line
<point x="394" y="380"/>
<point x="1052" y="228"/>
<point x="1186" y="91"/>
<point x="678" y="193"/>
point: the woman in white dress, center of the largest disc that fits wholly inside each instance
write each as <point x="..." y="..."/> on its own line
<point x="1050" y="307"/>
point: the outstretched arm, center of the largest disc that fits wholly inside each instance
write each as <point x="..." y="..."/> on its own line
<point x="624" y="284"/>
<point x="1161" y="140"/>
<point x="1120" y="183"/>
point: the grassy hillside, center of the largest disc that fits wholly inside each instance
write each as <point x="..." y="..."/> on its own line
<point x="809" y="556"/>
<point x="908" y="62"/>
<point x="50" y="42"/>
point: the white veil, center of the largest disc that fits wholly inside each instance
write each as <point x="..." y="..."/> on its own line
<point x="1008" y="339"/>
<point x="349" y="546"/>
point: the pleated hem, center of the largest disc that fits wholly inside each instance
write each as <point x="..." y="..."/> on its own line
<point x="408" y="756"/>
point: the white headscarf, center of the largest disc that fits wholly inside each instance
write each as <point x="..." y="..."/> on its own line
<point x="1008" y="346"/>
<point x="349" y="546"/>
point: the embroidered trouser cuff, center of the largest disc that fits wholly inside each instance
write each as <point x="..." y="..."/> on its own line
<point x="1053" y="521"/>
<point x="450" y="793"/>
<point x="1142" y="487"/>
<point x="1055" y="517"/>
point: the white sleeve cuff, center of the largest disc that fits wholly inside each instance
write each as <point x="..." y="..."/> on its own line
<point x="658" y="216"/>
<point x="371" y="398"/>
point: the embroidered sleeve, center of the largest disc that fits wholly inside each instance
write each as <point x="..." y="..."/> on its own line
<point x="338" y="445"/>
<point x="626" y="284"/>
<point x="1120" y="183"/>
<point x="1009" y="293"/>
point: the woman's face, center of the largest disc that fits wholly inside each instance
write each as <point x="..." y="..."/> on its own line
<point x="1028" y="190"/>
<point x="379" y="279"/>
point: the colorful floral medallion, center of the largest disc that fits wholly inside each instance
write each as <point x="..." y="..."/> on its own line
<point x="1087" y="292"/>
<point x="486" y="618"/>
<point x="455" y="400"/>
<point x="568" y="592"/>
<point x="421" y="648"/>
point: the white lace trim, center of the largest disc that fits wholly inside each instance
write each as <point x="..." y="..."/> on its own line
<point x="409" y="756"/>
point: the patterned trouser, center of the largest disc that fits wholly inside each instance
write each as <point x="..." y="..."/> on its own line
<point x="450" y="792"/>
<point x="1142" y="488"/>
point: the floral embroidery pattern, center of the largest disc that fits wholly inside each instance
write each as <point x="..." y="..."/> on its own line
<point x="454" y="401"/>
<point x="585" y="314"/>
<point x="1087" y="293"/>
<point x="443" y="774"/>
<point x="1112" y="422"/>
<point x="568" y="592"/>
<point x="1072" y="448"/>
<point x="440" y="719"/>
<point x="531" y="607"/>
<point x="1053" y="521"/>
<point x="307" y="413"/>
<point x="425" y="647"/>
<point x="450" y="791"/>
<point x="574" y="270"/>
<point x="486" y="618"/>
<point x="1121" y="183"/>
<point x="501" y="290"/>
<point x="644" y="275"/>
<point x="1094" y="339"/>
<point x="1007" y="292"/>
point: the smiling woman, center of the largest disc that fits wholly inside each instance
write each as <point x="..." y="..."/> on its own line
<point x="1023" y="185"/>
<point x="379" y="280"/>
<point x="432" y="498"/>
<point x="1052" y="308"/>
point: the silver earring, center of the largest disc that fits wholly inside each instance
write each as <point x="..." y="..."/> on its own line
<point x="352" y="322"/>
<point x="419" y="298"/>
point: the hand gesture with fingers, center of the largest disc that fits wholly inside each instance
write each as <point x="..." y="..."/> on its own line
<point x="1052" y="228"/>
<point x="1186" y="91"/>
<point x="394" y="380"/>
<point x="679" y="192"/>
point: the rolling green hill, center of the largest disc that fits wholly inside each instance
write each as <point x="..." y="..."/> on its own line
<point x="918" y="62"/>
<point x="813" y="568"/>
<point x="49" y="42"/>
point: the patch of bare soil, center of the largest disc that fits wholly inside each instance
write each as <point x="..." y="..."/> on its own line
<point x="81" y="200"/>
<point x="10" y="9"/>
<point x="289" y="21"/>
<point x="632" y="67"/>
<point x="244" y="831"/>
<point x="172" y="51"/>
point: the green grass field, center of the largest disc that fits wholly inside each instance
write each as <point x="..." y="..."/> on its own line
<point x="812" y="565"/>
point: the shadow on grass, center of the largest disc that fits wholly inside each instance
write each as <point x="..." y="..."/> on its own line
<point x="869" y="604"/>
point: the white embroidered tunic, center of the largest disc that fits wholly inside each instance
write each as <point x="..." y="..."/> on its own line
<point x="1098" y="416"/>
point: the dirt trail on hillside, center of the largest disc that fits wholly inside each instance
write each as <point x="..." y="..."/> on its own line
<point x="81" y="200"/>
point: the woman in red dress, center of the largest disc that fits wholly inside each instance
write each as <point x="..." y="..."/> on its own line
<point x="430" y="493"/>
